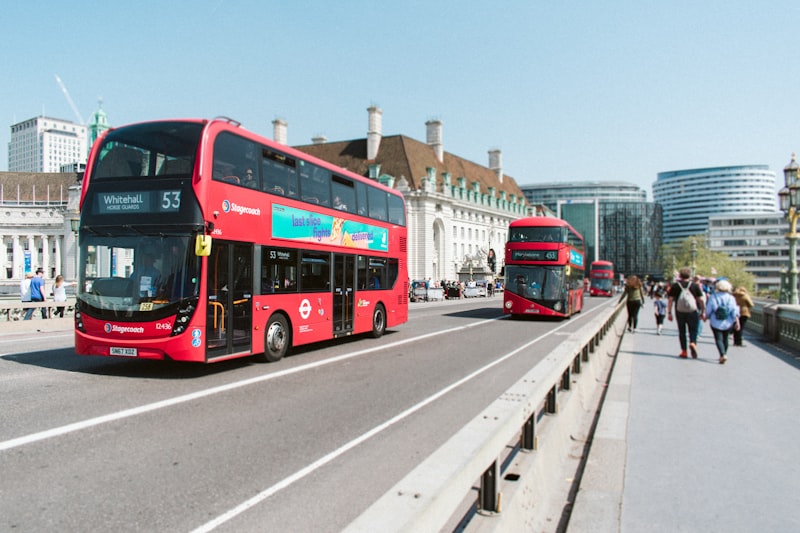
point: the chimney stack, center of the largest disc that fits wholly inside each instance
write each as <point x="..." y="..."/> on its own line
<point x="434" y="138"/>
<point x="496" y="163"/>
<point x="279" y="127"/>
<point x="373" y="132"/>
<point x="319" y="139"/>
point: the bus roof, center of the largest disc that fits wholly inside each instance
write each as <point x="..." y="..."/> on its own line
<point x="540" y="221"/>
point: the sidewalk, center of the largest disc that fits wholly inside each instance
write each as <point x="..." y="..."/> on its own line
<point x="692" y="445"/>
<point x="37" y="324"/>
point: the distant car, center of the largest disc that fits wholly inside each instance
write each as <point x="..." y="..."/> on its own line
<point x="476" y="288"/>
<point x="419" y="290"/>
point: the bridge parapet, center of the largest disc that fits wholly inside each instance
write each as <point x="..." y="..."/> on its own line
<point x="514" y="452"/>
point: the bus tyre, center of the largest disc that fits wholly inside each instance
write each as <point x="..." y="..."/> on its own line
<point x="277" y="339"/>
<point x="378" y="321"/>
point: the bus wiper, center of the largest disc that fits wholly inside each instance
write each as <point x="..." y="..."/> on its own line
<point x="94" y="231"/>
<point x="134" y="228"/>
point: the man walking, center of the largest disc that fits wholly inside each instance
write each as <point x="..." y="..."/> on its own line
<point x="37" y="289"/>
<point x="687" y="299"/>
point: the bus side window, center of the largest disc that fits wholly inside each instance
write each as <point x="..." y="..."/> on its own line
<point x="316" y="184"/>
<point x="377" y="204"/>
<point x="363" y="277"/>
<point x="278" y="270"/>
<point x="344" y="195"/>
<point x="279" y="173"/>
<point x="361" y="199"/>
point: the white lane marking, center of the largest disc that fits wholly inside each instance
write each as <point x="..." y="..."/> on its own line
<point x="303" y="472"/>
<point x="111" y="417"/>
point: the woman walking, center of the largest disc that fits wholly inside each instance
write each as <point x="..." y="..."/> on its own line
<point x="723" y="314"/>
<point x="634" y="299"/>
<point x="745" y="304"/>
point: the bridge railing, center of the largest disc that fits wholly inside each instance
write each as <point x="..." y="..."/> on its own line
<point x="778" y="323"/>
<point x="511" y="451"/>
<point x="15" y="309"/>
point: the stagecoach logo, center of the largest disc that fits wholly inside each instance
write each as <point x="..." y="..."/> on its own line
<point x="109" y="328"/>
<point x="305" y="309"/>
<point x="230" y="207"/>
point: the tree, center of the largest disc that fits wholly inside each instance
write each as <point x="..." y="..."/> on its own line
<point x="707" y="263"/>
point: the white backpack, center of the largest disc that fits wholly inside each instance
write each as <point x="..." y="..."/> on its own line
<point x="687" y="303"/>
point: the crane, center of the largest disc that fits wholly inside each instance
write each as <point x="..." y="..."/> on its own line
<point x="69" y="99"/>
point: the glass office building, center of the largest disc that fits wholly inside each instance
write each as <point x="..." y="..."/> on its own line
<point x="689" y="197"/>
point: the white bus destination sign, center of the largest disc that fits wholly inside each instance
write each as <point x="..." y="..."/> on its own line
<point x="138" y="202"/>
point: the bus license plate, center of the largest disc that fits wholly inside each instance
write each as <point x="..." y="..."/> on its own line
<point x="124" y="352"/>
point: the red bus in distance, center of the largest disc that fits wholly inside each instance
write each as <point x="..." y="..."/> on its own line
<point x="544" y="268"/>
<point x="601" y="278"/>
<point x="201" y="241"/>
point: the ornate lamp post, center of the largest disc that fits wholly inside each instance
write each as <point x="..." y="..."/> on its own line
<point x="694" y="256"/>
<point x="789" y="198"/>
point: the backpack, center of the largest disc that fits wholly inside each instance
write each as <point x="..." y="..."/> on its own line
<point x="722" y="312"/>
<point x="686" y="301"/>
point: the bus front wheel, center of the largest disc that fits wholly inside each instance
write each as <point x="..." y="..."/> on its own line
<point x="378" y="321"/>
<point x="277" y="339"/>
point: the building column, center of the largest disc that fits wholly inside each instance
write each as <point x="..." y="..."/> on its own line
<point x="57" y="255"/>
<point x="45" y="255"/>
<point x="17" y="259"/>
<point x="4" y="264"/>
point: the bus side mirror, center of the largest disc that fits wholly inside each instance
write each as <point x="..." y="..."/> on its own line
<point x="202" y="246"/>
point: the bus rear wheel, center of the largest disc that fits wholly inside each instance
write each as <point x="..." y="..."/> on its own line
<point x="277" y="339"/>
<point x="378" y="321"/>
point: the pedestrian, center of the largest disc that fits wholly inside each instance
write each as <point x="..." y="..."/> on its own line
<point x="687" y="300"/>
<point x="745" y="304"/>
<point x="37" y="289"/>
<point x="59" y="295"/>
<point x="723" y="315"/>
<point x="25" y="294"/>
<point x="634" y="299"/>
<point x="660" y="309"/>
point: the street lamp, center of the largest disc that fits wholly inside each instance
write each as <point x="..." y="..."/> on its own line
<point x="694" y="256"/>
<point x="789" y="198"/>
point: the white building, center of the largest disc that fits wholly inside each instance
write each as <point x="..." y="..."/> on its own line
<point x="45" y="144"/>
<point x="758" y="240"/>
<point x="689" y="197"/>
<point x="457" y="210"/>
<point x="36" y="231"/>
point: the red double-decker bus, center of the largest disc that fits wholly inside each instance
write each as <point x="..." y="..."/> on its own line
<point x="601" y="278"/>
<point x="201" y="241"/>
<point x="544" y="268"/>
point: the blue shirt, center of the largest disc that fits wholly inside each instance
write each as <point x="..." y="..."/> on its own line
<point x="724" y="300"/>
<point x="37" y="286"/>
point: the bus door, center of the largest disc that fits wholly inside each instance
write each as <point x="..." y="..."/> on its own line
<point x="344" y="273"/>
<point x="230" y="292"/>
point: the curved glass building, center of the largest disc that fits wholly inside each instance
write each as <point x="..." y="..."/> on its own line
<point x="689" y="197"/>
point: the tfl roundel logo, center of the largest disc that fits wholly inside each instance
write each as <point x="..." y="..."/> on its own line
<point x="226" y="206"/>
<point x="107" y="327"/>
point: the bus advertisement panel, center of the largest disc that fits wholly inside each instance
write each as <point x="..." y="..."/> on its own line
<point x="601" y="278"/>
<point x="544" y="268"/>
<point x="201" y="241"/>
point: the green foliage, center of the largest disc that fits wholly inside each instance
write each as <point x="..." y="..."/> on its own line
<point x="679" y="254"/>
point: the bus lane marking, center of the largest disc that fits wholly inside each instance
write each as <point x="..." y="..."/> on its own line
<point x="135" y="411"/>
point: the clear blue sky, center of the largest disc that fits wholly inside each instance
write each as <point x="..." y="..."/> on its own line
<point x="568" y="90"/>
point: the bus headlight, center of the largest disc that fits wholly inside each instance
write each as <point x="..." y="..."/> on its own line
<point x="509" y="304"/>
<point x="557" y="306"/>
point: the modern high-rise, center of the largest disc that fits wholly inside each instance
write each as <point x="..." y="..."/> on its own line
<point x="689" y="197"/>
<point x="44" y="144"/>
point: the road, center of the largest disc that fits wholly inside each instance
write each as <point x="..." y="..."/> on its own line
<point x="305" y="444"/>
